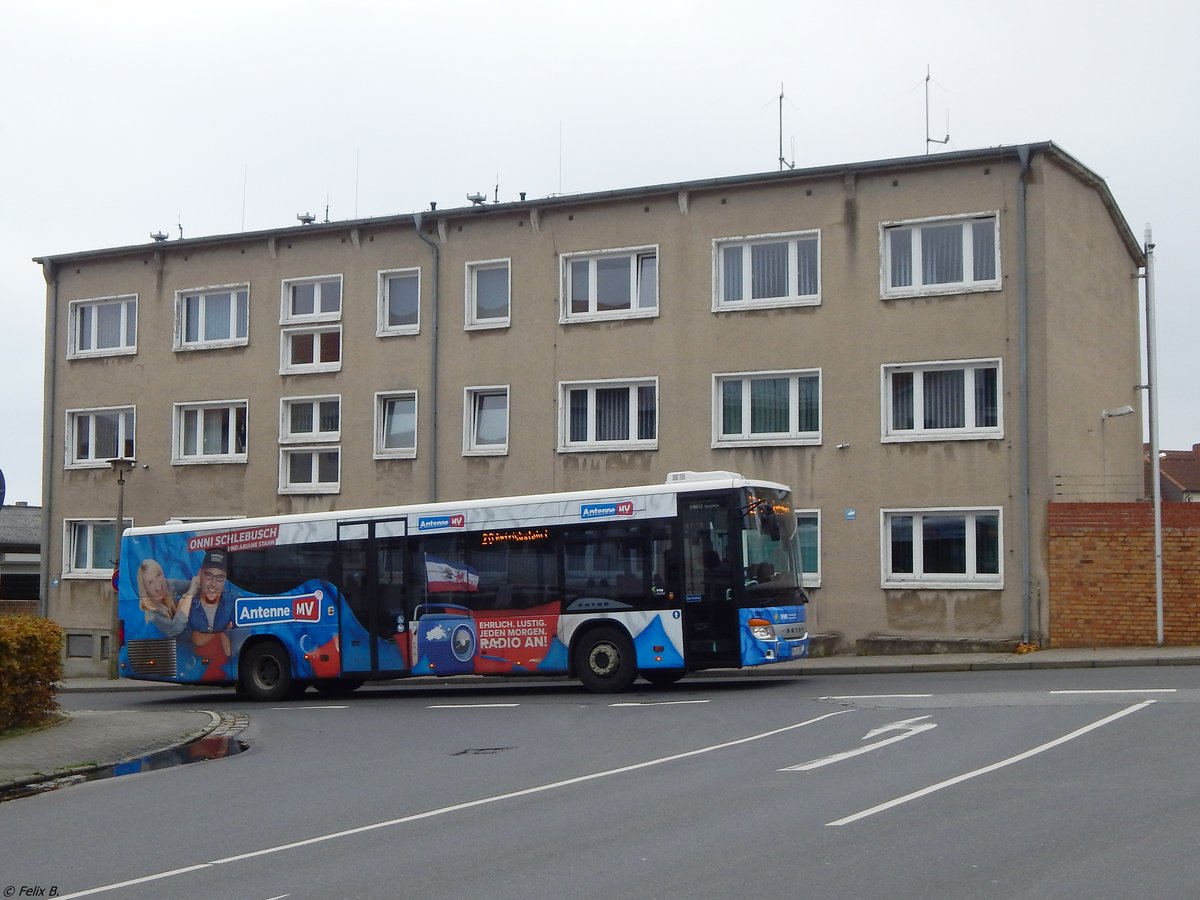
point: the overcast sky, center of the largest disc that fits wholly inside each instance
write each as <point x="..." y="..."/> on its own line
<point x="120" y="118"/>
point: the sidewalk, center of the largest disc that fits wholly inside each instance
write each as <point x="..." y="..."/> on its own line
<point x="90" y="739"/>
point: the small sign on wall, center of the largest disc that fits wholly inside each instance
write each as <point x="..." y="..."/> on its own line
<point x="851" y="515"/>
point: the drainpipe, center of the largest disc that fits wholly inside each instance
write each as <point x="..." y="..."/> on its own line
<point x="49" y="396"/>
<point x="1025" y="522"/>
<point x="418" y="219"/>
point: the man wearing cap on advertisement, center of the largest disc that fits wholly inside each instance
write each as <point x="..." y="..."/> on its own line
<point x="212" y="618"/>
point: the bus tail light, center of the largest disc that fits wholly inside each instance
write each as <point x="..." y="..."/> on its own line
<point x="762" y="629"/>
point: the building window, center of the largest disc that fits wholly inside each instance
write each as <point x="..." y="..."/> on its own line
<point x="98" y="435"/>
<point x="487" y="294"/>
<point x="310" y="470"/>
<point x="608" y="415"/>
<point x="399" y="302"/>
<point x="610" y="284"/>
<point x="767" y="270"/>
<point x="950" y="255"/>
<point x="310" y="350"/>
<point x="212" y="317"/>
<point x="808" y="524"/>
<point x="312" y="299"/>
<point x="767" y="408"/>
<point x="210" y="432"/>
<point x="942" y="548"/>
<point x="103" y="327"/>
<point x="396" y="425"/>
<point x="79" y="646"/>
<point x="942" y="401"/>
<point x="485" y="428"/>
<point x="310" y="419"/>
<point x="89" y="545"/>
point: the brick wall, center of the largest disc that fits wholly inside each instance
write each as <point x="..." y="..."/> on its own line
<point x="1102" y="574"/>
<point x="18" y="607"/>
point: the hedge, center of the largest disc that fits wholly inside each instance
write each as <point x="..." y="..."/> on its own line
<point x="30" y="664"/>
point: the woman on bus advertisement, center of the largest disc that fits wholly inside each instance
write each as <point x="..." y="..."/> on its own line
<point x="159" y="599"/>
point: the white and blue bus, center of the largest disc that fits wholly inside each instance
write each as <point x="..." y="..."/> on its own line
<point x="659" y="580"/>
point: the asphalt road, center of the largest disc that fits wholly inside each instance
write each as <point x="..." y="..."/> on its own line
<point x="1056" y="784"/>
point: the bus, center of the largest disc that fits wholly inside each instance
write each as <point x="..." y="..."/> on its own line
<point x="700" y="572"/>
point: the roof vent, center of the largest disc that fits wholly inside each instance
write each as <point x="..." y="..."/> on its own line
<point x="158" y="236"/>
<point x="305" y="218"/>
<point x="476" y="199"/>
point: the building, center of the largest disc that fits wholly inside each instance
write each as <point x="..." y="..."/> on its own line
<point x="20" y="558"/>
<point x="927" y="349"/>
<point x="1179" y="474"/>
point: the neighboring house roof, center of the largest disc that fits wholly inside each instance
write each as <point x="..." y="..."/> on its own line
<point x="1179" y="471"/>
<point x="21" y="528"/>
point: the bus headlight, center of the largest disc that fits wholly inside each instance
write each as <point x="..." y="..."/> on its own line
<point x="762" y="629"/>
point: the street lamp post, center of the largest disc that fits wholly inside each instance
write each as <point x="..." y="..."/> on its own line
<point x="120" y="465"/>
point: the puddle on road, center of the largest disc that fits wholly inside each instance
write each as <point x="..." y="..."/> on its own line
<point x="197" y="751"/>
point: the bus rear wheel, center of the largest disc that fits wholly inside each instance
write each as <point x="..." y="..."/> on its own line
<point x="265" y="672"/>
<point x="605" y="661"/>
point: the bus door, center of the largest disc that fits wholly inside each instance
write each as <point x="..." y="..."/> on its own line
<point x="374" y="635"/>
<point x="710" y="619"/>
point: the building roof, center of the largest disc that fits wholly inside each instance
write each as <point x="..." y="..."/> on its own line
<point x="1180" y="469"/>
<point x="1021" y="153"/>
<point x="21" y="528"/>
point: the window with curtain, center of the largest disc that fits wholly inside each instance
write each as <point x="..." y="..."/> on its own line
<point x="210" y="432"/>
<point x="98" y="435"/>
<point x="89" y="545"/>
<point x="767" y="270"/>
<point x="948" y="255"/>
<point x="103" y="327"/>
<point x="808" y="527"/>
<point x="609" y="415"/>
<point x="940" y="548"/>
<point x="609" y="284"/>
<point x="942" y="401"/>
<point x="213" y="317"/>
<point x="767" y="408"/>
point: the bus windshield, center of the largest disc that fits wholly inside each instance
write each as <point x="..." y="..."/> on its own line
<point x="770" y="548"/>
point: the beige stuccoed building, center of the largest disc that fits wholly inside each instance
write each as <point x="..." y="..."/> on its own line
<point x="929" y="350"/>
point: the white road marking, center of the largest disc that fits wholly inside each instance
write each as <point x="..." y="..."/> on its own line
<point x="472" y="705"/>
<point x="877" y="697"/>
<point x="457" y="807"/>
<point x="966" y="776"/>
<point x="658" y="703"/>
<point x="1122" y="691"/>
<point x="907" y="727"/>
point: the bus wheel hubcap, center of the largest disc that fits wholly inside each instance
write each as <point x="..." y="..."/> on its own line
<point x="603" y="659"/>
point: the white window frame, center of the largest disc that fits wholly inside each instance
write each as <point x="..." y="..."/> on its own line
<point x="382" y="329"/>
<point x="90" y="569"/>
<point x="471" y="396"/>
<point x="287" y="317"/>
<point x="182" y="344"/>
<point x="747" y="242"/>
<point x="590" y="444"/>
<point x="381" y="398"/>
<point x="286" y="486"/>
<point x="287" y="367"/>
<point x="635" y="254"/>
<point x="972" y="579"/>
<point x="70" y="461"/>
<point x="128" y="302"/>
<point x="745" y="438"/>
<point x="917" y="289"/>
<point x="473" y="320"/>
<point x="970" y="431"/>
<point x="287" y="436"/>
<point x="811" y="579"/>
<point x="179" y="410"/>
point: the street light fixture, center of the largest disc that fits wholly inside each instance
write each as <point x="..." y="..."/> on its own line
<point x="120" y="465"/>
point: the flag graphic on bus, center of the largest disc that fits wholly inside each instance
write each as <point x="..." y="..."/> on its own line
<point x="441" y="575"/>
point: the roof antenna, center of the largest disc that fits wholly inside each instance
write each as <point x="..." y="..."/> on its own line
<point x="783" y="161"/>
<point x="326" y="209"/>
<point x="930" y="140"/>
<point x="180" y="224"/>
<point x="496" y="196"/>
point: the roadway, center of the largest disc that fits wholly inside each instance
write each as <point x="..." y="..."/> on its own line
<point x="1059" y="783"/>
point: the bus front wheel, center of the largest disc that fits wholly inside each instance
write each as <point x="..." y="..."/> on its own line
<point x="605" y="661"/>
<point x="265" y="672"/>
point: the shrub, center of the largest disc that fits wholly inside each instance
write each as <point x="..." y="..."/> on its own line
<point x="30" y="664"/>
